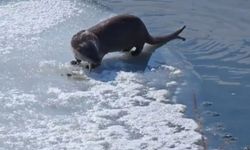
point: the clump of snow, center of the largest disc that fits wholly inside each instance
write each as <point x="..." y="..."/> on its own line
<point x="124" y="113"/>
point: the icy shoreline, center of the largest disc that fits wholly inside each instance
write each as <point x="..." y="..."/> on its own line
<point x="44" y="109"/>
<point x="127" y="113"/>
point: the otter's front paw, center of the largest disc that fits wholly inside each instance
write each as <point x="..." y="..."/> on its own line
<point x="91" y="66"/>
<point x="74" y="62"/>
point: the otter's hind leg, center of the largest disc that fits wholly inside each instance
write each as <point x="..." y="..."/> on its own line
<point x="127" y="49"/>
<point x="138" y="50"/>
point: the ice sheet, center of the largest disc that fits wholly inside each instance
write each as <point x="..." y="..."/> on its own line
<point x="42" y="108"/>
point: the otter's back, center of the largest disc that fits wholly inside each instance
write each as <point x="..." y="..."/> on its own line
<point x="120" y="31"/>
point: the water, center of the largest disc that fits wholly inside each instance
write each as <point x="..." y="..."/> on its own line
<point x="218" y="49"/>
<point x="117" y="106"/>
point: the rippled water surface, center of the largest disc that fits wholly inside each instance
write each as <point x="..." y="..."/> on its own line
<point x="218" y="48"/>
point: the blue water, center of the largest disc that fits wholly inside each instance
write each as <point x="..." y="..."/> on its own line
<point x="218" y="49"/>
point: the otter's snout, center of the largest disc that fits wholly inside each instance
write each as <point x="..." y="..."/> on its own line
<point x="85" y="47"/>
<point x="87" y="51"/>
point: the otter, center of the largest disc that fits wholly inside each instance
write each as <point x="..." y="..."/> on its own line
<point x="118" y="33"/>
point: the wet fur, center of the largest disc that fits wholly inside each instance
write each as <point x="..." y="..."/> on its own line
<point x="118" y="33"/>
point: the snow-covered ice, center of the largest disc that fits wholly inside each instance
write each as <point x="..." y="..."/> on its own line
<point x="42" y="108"/>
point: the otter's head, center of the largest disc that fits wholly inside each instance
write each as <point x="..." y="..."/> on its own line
<point x="85" y="47"/>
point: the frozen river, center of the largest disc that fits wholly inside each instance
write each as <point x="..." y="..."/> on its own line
<point x="118" y="106"/>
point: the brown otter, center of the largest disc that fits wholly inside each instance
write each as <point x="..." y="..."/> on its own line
<point x="122" y="32"/>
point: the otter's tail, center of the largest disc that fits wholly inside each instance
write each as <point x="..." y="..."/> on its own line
<point x="167" y="38"/>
